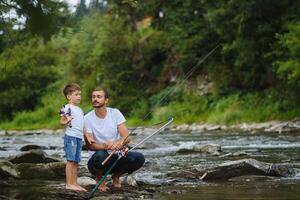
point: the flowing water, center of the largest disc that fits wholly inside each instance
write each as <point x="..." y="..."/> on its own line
<point x="161" y="158"/>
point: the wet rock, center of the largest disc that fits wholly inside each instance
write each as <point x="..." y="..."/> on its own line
<point x="85" y="181"/>
<point x="213" y="149"/>
<point x="235" y="154"/>
<point x="246" y="167"/>
<point x="2" y="149"/>
<point x="43" y="171"/>
<point x="8" y="170"/>
<point x="2" y="132"/>
<point x="237" y="168"/>
<point x="33" y="156"/>
<point x="130" y="180"/>
<point x="31" y="147"/>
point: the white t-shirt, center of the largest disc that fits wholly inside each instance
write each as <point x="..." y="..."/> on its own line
<point x="76" y="129"/>
<point x="105" y="129"/>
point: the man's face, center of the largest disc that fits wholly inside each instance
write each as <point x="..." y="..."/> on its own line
<point x="98" y="99"/>
<point x="74" y="97"/>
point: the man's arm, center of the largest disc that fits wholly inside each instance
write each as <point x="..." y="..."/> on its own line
<point x="94" y="146"/>
<point x="124" y="137"/>
<point x="123" y="133"/>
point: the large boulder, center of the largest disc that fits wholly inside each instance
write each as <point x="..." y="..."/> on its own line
<point x="33" y="156"/>
<point x="247" y="167"/>
<point x="244" y="167"/>
<point x="8" y="170"/>
<point x="43" y="171"/>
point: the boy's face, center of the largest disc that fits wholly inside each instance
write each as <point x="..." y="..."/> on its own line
<point x="74" y="97"/>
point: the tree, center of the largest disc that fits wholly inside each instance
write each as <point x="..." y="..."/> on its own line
<point x="26" y="70"/>
<point x="42" y="17"/>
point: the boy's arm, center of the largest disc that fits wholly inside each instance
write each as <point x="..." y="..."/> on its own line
<point x="64" y="120"/>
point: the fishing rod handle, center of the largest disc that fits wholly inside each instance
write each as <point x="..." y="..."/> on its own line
<point x="108" y="157"/>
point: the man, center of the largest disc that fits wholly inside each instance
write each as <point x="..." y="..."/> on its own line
<point x="105" y="131"/>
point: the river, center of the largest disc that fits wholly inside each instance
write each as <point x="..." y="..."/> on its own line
<point x="161" y="158"/>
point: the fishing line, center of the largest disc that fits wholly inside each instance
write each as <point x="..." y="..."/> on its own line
<point x="190" y="72"/>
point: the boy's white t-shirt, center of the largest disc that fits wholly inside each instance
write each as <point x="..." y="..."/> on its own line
<point x="105" y="129"/>
<point x="77" y="122"/>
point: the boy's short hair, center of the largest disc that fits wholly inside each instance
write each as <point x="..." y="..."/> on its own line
<point x="102" y="89"/>
<point x="70" y="88"/>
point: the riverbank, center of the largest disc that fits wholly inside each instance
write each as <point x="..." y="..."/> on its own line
<point x="292" y="126"/>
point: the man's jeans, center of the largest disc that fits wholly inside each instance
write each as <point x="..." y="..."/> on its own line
<point x="132" y="162"/>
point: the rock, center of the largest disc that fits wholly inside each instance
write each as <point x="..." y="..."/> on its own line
<point x="85" y="181"/>
<point x="235" y="154"/>
<point x="2" y="149"/>
<point x="213" y="149"/>
<point x="43" y="171"/>
<point x="31" y="147"/>
<point x="33" y="156"/>
<point x="244" y="167"/>
<point x="130" y="180"/>
<point x="8" y="170"/>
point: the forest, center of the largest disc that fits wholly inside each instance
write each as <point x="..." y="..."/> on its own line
<point x="142" y="52"/>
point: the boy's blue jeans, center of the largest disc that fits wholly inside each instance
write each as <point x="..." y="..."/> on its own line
<point x="72" y="147"/>
<point x="132" y="162"/>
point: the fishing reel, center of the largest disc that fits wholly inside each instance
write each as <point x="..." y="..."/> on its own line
<point x="68" y="113"/>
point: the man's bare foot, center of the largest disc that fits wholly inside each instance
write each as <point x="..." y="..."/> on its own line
<point x="81" y="188"/>
<point x="72" y="187"/>
<point x="116" y="181"/>
<point x="103" y="187"/>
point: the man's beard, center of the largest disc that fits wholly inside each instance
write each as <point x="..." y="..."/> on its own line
<point x="99" y="105"/>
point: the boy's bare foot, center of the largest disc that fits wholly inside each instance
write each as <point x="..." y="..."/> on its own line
<point x="81" y="188"/>
<point x="72" y="187"/>
<point x="116" y="181"/>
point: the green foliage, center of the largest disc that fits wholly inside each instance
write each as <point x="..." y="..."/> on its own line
<point x="141" y="50"/>
<point x="289" y="67"/>
<point x="26" y="70"/>
<point x="115" y="57"/>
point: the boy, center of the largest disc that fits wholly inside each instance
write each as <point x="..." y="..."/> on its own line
<point x="71" y="116"/>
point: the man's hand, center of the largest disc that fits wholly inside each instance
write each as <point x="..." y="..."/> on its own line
<point x="109" y="145"/>
<point x="90" y="138"/>
<point x="117" y="145"/>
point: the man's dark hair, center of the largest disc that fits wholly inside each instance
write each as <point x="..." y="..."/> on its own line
<point x="102" y="89"/>
<point x="70" y="88"/>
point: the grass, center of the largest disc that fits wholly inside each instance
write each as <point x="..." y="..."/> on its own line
<point x="231" y="109"/>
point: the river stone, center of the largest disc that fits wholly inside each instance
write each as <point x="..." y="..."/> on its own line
<point x="235" y="154"/>
<point x="33" y="156"/>
<point x="84" y="181"/>
<point x="43" y="171"/>
<point x="213" y="149"/>
<point x="244" y="167"/>
<point x="31" y="147"/>
<point x="2" y="149"/>
<point x="7" y="170"/>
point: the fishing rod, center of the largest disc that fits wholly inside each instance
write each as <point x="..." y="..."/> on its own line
<point x="123" y="154"/>
<point x="190" y="72"/>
